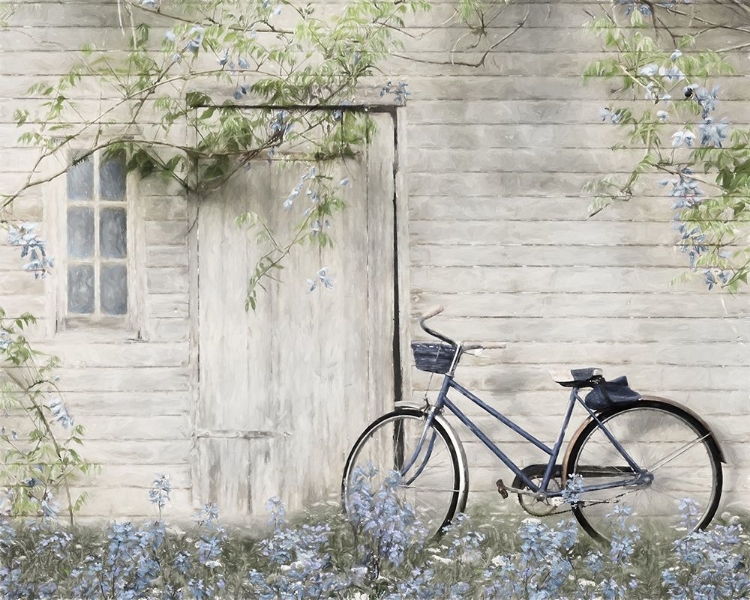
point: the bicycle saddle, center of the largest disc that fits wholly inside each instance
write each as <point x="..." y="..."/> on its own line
<point x="578" y="377"/>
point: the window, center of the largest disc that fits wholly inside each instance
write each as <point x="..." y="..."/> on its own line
<point x="97" y="238"/>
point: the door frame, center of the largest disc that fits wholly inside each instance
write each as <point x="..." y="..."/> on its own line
<point x="402" y="380"/>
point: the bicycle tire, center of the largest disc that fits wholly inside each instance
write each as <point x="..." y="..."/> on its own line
<point x="650" y="430"/>
<point x="446" y="460"/>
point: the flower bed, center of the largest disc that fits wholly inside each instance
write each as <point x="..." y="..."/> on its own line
<point x="377" y="552"/>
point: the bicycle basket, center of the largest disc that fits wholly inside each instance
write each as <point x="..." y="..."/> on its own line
<point x="433" y="358"/>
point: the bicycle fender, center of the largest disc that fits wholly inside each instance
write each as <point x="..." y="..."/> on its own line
<point x="606" y="411"/>
<point x="695" y="416"/>
<point x="455" y="440"/>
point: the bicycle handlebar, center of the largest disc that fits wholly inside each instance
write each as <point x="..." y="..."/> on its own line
<point x="436" y="310"/>
<point x="433" y="311"/>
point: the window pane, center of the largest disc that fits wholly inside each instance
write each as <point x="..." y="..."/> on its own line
<point x="113" y="237"/>
<point x="112" y="177"/>
<point x="80" y="232"/>
<point x="81" y="180"/>
<point x="81" y="289"/>
<point x="114" y="289"/>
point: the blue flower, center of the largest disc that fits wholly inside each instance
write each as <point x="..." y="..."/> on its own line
<point x="60" y="413"/>
<point x="325" y="279"/>
<point x="160" y="490"/>
<point x="713" y="134"/>
<point x="683" y="137"/>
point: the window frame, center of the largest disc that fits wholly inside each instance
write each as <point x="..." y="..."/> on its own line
<point x="129" y="324"/>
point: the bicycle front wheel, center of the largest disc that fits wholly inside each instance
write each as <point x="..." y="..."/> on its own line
<point x="678" y="451"/>
<point x="433" y="476"/>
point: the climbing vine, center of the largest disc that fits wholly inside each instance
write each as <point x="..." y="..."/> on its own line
<point x="670" y="108"/>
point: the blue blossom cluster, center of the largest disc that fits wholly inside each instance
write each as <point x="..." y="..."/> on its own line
<point x="644" y="8"/>
<point x="388" y="525"/>
<point x="160" y="490"/>
<point x="32" y="247"/>
<point x="324" y="278"/>
<point x="305" y="183"/>
<point x="398" y="90"/>
<point x="377" y="551"/>
<point x="709" y="564"/>
<point x="539" y="569"/>
<point x="300" y="560"/>
<point x="5" y="339"/>
<point x="60" y="413"/>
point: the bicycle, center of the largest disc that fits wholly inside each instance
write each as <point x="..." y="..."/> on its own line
<point x="645" y="451"/>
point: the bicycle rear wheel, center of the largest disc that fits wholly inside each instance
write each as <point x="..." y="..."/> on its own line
<point x="673" y="445"/>
<point x="434" y="480"/>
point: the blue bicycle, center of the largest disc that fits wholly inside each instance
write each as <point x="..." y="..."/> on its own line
<point x="646" y="452"/>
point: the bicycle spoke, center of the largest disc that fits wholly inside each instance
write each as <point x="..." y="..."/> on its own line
<point x="677" y="453"/>
<point x="656" y="435"/>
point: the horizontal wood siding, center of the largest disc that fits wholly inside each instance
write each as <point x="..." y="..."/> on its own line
<point x="133" y="396"/>
<point x="495" y="160"/>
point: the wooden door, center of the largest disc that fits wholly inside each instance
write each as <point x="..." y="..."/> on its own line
<point x="285" y="390"/>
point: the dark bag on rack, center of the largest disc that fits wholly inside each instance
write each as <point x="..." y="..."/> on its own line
<point x="609" y="393"/>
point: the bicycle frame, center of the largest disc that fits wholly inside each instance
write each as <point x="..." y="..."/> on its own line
<point x="444" y="403"/>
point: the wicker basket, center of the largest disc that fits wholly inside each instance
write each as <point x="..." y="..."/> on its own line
<point x="431" y="357"/>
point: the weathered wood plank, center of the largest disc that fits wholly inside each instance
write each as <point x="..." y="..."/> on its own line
<point x="167" y="306"/>
<point x="513" y="160"/>
<point x="168" y="329"/>
<point x="550" y="279"/>
<point x="495" y="208"/>
<point x="596" y="329"/>
<point x="439" y="61"/>
<point x="136" y="429"/>
<point x="166" y="233"/>
<point x="479" y="234"/>
<point x="166" y="256"/>
<point x="127" y="404"/>
<point x="18" y="282"/>
<point x="543" y="135"/>
<point x="105" y="379"/>
<point x="124" y="355"/>
<point x="167" y="280"/>
<point x="137" y="476"/>
<point x="17" y="304"/>
<point x="122" y="501"/>
<point x="165" y="208"/>
<point x="643" y="376"/>
<point x="531" y="112"/>
<point x="678" y="301"/>
<point x="151" y="452"/>
<point x="549" y="256"/>
<point x="514" y="403"/>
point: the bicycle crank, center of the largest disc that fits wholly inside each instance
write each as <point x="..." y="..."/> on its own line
<point x="534" y="503"/>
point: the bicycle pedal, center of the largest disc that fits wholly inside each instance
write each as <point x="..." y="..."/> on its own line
<point x="501" y="488"/>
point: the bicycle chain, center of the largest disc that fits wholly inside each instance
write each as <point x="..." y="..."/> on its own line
<point x="561" y="512"/>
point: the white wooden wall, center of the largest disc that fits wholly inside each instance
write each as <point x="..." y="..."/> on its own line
<point x="133" y="397"/>
<point x="498" y="234"/>
<point x="492" y="164"/>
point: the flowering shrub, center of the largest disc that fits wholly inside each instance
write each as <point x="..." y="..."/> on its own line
<point x="700" y="162"/>
<point x="38" y="455"/>
<point x="332" y="557"/>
